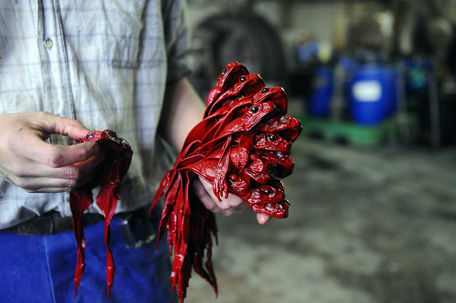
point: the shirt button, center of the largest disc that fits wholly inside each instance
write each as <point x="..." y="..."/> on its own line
<point x="48" y="43"/>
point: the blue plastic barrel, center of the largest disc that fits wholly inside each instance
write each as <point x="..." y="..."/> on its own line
<point x="319" y="104"/>
<point x="370" y="94"/>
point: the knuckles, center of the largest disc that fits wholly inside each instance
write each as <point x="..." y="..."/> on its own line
<point x="72" y="173"/>
<point x="58" y="156"/>
<point x="55" y="158"/>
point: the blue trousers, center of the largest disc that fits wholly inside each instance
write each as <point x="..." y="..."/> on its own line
<point x="41" y="269"/>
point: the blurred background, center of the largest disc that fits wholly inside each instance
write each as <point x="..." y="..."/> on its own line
<point x="373" y="200"/>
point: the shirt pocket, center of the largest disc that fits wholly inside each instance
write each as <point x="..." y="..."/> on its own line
<point x="121" y="28"/>
<point x="107" y="31"/>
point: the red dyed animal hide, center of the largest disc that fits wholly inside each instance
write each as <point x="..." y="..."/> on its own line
<point x="112" y="170"/>
<point x="241" y="147"/>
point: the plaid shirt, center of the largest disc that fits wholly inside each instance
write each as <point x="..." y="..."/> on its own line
<point x="102" y="62"/>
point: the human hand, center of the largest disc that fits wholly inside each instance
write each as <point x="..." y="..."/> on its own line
<point x="228" y="206"/>
<point x="29" y="162"/>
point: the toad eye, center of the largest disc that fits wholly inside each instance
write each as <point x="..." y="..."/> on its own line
<point x="266" y="192"/>
<point x="223" y="72"/>
<point x="242" y="79"/>
<point x="283" y="119"/>
<point x="272" y="138"/>
<point x="89" y="136"/>
<point x="254" y="109"/>
<point x="264" y="90"/>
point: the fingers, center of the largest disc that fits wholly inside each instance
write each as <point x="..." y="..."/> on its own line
<point x="48" y="185"/>
<point x="33" y="148"/>
<point x="226" y="202"/>
<point x="204" y="197"/>
<point x="59" y="156"/>
<point x="42" y="178"/>
<point x="24" y="136"/>
<point x="263" y="219"/>
<point x="29" y="162"/>
<point x="227" y="206"/>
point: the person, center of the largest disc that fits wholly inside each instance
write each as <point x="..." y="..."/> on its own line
<point x="67" y="67"/>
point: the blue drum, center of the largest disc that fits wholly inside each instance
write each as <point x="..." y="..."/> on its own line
<point x="319" y="104"/>
<point x="371" y="94"/>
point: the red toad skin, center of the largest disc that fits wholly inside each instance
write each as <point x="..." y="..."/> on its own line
<point x="112" y="170"/>
<point x="242" y="146"/>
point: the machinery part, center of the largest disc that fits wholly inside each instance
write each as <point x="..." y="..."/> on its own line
<point x="245" y="38"/>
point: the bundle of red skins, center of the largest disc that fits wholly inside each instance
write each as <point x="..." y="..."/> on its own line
<point x="242" y="147"/>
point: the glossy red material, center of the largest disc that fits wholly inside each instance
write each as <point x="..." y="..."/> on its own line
<point x="241" y="147"/>
<point x="114" y="167"/>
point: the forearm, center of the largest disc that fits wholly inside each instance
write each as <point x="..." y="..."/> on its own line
<point x="182" y="110"/>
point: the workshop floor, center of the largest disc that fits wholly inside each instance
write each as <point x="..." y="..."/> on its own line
<point x="366" y="225"/>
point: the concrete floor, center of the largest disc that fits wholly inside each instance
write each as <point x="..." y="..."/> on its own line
<point x="366" y="225"/>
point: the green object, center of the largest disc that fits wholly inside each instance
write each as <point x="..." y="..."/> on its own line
<point x="351" y="133"/>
